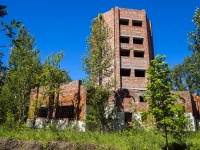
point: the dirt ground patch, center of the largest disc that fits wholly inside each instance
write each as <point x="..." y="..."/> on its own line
<point x="8" y="144"/>
<point x="12" y="144"/>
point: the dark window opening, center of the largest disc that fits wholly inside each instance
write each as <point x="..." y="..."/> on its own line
<point x="124" y="39"/>
<point x="137" y="40"/>
<point x="42" y="112"/>
<point x="65" y="112"/>
<point x="125" y="72"/>
<point x="128" y="118"/>
<point x="138" y="54"/>
<point x="141" y="99"/>
<point x="125" y="52"/>
<point x="139" y="73"/>
<point x="137" y="23"/>
<point x="123" y="21"/>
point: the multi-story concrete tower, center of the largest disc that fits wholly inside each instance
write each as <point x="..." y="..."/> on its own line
<point x="133" y="50"/>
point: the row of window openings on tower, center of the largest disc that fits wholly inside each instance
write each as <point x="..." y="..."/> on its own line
<point x="137" y="23"/>
<point x="136" y="40"/>
<point x="136" y="53"/>
<point x="127" y="72"/>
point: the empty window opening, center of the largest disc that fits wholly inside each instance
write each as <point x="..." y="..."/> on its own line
<point x="139" y="73"/>
<point x="125" y="72"/>
<point x="124" y="52"/>
<point x="128" y="118"/>
<point x="137" y="40"/>
<point x="65" y="112"/>
<point x="42" y="112"/>
<point x="123" y="21"/>
<point x="137" y="23"/>
<point x="141" y="99"/>
<point x="139" y="54"/>
<point x="124" y="39"/>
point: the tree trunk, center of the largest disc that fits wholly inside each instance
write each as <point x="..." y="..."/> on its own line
<point x="166" y="138"/>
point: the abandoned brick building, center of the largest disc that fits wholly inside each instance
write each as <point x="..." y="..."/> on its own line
<point x="133" y="50"/>
<point x="68" y="105"/>
<point x="132" y="43"/>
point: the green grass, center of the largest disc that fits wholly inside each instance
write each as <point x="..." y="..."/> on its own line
<point x="133" y="139"/>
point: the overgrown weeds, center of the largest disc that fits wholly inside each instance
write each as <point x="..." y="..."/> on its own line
<point x="135" y="139"/>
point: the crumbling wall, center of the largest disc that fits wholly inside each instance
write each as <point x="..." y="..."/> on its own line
<point x="71" y="94"/>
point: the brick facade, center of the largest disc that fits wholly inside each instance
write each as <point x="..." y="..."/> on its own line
<point x="114" y="18"/>
<point x="132" y="43"/>
<point x="72" y="94"/>
<point x="132" y="25"/>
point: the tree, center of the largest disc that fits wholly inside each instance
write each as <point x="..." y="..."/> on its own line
<point x="8" y="30"/>
<point x="3" y="11"/>
<point x="98" y="65"/>
<point x="178" y="75"/>
<point x="23" y="70"/>
<point x="2" y="72"/>
<point x="188" y="72"/>
<point x="51" y="78"/>
<point x="163" y="104"/>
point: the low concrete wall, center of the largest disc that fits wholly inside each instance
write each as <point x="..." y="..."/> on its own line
<point x="61" y="124"/>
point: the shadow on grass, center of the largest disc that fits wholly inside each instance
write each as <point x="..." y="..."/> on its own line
<point x="176" y="146"/>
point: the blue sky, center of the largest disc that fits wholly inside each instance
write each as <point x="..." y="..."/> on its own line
<point x="65" y="25"/>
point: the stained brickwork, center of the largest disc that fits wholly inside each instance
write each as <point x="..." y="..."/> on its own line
<point x="129" y="30"/>
<point x="121" y="22"/>
<point x="74" y="94"/>
<point x="133" y="50"/>
<point x="196" y="106"/>
<point x="71" y="94"/>
<point x="188" y="100"/>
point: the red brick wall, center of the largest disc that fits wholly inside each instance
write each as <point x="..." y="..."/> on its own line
<point x="72" y="93"/>
<point x="112" y="18"/>
<point x="188" y="100"/>
<point x="190" y="104"/>
<point x="132" y="102"/>
<point x="135" y="85"/>
<point x="196" y="106"/>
